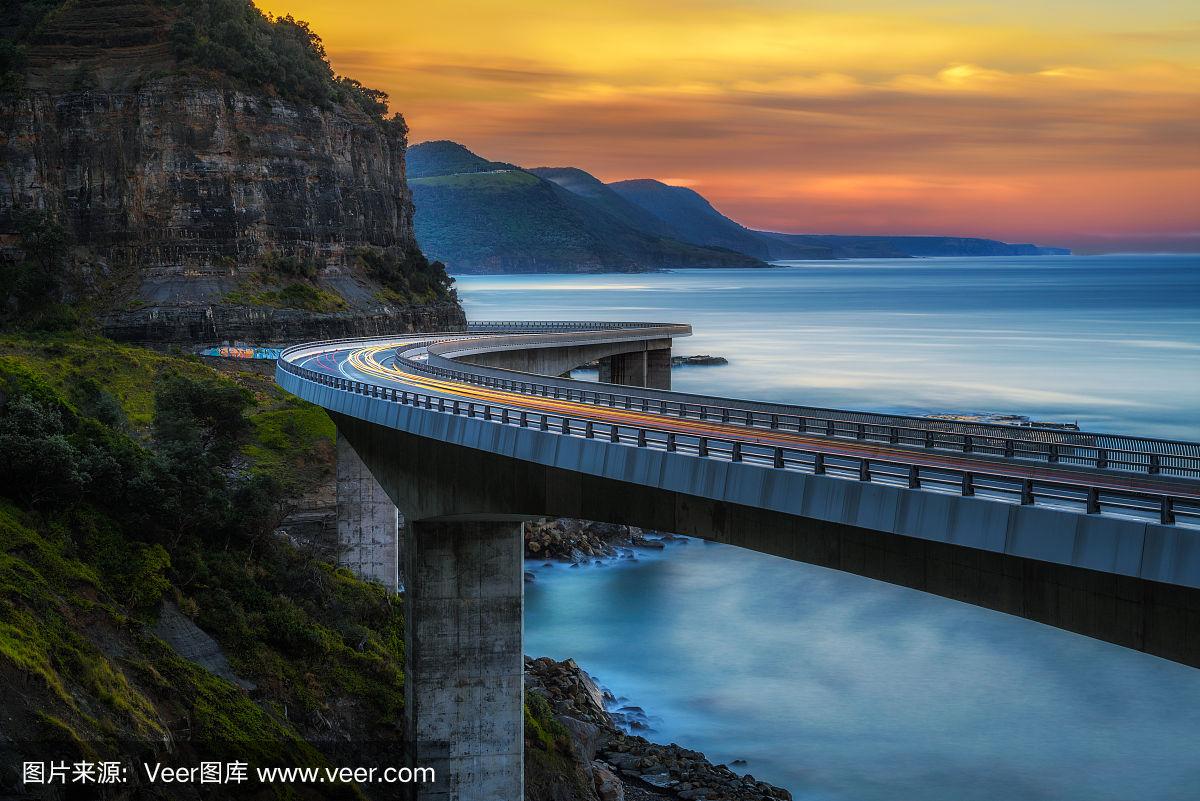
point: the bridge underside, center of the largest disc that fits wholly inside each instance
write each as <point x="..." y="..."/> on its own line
<point x="428" y="479"/>
<point x="644" y="363"/>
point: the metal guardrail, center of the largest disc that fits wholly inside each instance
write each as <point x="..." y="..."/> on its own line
<point x="527" y="327"/>
<point x="1166" y="509"/>
<point x="999" y="441"/>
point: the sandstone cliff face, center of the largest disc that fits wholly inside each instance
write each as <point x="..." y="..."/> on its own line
<point x="179" y="184"/>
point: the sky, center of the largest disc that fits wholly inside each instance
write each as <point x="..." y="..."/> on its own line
<point x="1072" y="123"/>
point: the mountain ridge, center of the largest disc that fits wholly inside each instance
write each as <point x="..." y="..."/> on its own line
<point x="481" y="216"/>
<point x="694" y="218"/>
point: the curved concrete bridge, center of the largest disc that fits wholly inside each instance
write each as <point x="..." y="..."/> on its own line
<point x="469" y="433"/>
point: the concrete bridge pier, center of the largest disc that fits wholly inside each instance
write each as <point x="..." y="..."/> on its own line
<point x="658" y="368"/>
<point x="464" y="688"/>
<point x="628" y="369"/>
<point x="644" y="368"/>
<point x="368" y="522"/>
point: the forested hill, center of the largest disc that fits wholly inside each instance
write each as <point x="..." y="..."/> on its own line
<point x="481" y="216"/>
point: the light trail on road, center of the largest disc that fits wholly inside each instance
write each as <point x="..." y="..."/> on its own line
<point x="379" y="364"/>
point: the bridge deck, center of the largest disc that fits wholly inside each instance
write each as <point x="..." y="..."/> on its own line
<point x="1134" y="477"/>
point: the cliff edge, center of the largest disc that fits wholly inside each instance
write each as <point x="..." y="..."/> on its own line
<point x="209" y="175"/>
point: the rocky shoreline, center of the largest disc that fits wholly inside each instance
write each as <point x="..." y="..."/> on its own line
<point x="703" y="360"/>
<point x="616" y="762"/>
<point x="627" y="767"/>
<point x="582" y="541"/>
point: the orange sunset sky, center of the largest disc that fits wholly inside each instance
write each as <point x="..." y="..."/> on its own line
<point x="1068" y="123"/>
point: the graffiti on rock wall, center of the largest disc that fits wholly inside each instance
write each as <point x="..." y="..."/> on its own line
<point x="242" y="352"/>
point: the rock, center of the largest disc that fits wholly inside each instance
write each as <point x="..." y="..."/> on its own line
<point x="608" y="786"/>
<point x="178" y="183"/>
<point x="194" y="644"/>
<point x="658" y="779"/>
<point x="528" y="576"/>
<point x="707" y="361"/>
<point x="651" y="770"/>
<point x="585" y="737"/>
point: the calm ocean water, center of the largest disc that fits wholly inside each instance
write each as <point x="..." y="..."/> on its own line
<point x="846" y="689"/>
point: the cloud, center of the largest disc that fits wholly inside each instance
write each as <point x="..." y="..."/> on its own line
<point x="1067" y="121"/>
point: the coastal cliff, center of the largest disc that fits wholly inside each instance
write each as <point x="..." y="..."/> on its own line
<point x="201" y="204"/>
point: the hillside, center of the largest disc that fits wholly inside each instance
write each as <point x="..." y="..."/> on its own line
<point x="480" y="216"/>
<point x="147" y="608"/>
<point x="693" y="219"/>
<point x="431" y="159"/>
<point x="201" y="175"/>
<point x="595" y="191"/>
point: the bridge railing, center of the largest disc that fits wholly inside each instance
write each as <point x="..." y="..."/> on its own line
<point x="1166" y="508"/>
<point x="1048" y="446"/>
<point x="527" y="327"/>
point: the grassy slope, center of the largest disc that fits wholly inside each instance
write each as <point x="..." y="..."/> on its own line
<point x="443" y="157"/>
<point x="77" y="596"/>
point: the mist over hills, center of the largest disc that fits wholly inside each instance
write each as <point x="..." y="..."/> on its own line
<point x="478" y="215"/>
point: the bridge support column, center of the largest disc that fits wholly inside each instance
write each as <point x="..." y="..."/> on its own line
<point x="367" y="521"/>
<point x="628" y="369"/>
<point x="658" y="368"/>
<point x="464" y="684"/>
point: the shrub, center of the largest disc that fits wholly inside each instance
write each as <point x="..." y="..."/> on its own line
<point x="406" y="274"/>
<point x="280" y="53"/>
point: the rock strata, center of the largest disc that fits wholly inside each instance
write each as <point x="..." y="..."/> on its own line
<point x="626" y="766"/>
<point x="206" y="209"/>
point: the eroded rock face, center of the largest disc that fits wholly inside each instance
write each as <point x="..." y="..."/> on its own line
<point x="178" y="185"/>
<point x="178" y="173"/>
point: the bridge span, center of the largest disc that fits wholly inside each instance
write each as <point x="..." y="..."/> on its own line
<point x="469" y="433"/>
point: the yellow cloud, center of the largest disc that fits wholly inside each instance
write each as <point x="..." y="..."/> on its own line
<point x="821" y="110"/>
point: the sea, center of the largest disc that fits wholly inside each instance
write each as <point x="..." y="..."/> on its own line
<point x="841" y="688"/>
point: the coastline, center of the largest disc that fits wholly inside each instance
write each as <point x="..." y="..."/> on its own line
<point x="611" y="735"/>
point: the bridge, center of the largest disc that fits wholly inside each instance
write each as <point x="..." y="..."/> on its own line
<point x="464" y="435"/>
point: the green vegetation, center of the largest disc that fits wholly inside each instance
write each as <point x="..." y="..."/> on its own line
<point x="132" y="477"/>
<point x="551" y="770"/>
<point x="483" y="216"/>
<point x="542" y="728"/>
<point x="280" y="54"/>
<point x="406" y="275"/>
<point x="234" y="37"/>
<point x="443" y="157"/>
<point x="294" y="295"/>
<point x="480" y="182"/>
<point x="38" y="288"/>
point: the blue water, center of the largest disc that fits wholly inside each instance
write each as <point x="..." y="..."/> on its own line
<point x="838" y="687"/>
<point x="1112" y="341"/>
